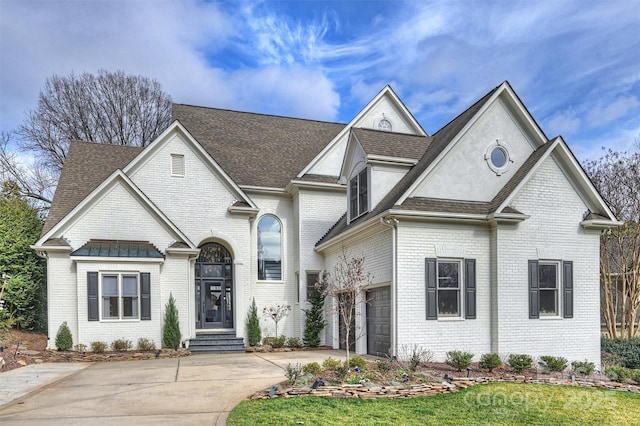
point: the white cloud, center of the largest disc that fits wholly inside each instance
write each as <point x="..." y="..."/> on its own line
<point x="294" y="91"/>
<point x="440" y="56"/>
<point x="565" y="124"/>
<point x="604" y="114"/>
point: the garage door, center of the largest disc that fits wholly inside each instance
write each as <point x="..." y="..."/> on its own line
<point x="379" y="321"/>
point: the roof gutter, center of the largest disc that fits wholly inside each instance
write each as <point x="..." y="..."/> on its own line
<point x="600" y="224"/>
<point x="392" y="223"/>
<point x="43" y="251"/>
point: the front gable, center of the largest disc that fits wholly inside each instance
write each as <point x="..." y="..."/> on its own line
<point x="157" y="162"/>
<point x="385" y="112"/>
<point x="116" y="210"/>
<point x="567" y="172"/>
<point x="482" y="157"/>
<point x="182" y="179"/>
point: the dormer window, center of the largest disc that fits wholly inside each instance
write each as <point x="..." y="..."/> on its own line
<point x="359" y="194"/>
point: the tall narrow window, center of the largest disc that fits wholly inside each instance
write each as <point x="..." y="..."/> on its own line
<point x="313" y="283"/>
<point x="269" y="249"/>
<point x="359" y="194"/>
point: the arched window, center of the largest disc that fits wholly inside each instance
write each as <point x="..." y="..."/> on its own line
<point x="269" y="249"/>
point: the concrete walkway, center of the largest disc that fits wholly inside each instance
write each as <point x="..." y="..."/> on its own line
<point x="195" y="390"/>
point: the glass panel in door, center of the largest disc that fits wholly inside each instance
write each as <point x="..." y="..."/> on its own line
<point x="213" y="303"/>
<point x="228" y="305"/>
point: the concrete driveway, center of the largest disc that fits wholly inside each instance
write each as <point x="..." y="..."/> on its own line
<point x="195" y="390"/>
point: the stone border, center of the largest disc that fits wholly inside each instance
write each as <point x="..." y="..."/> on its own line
<point x="457" y="383"/>
<point x="72" y="356"/>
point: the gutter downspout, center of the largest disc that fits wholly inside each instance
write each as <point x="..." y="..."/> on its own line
<point x="393" y="224"/>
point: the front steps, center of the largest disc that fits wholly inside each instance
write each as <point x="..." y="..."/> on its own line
<point x="216" y="342"/>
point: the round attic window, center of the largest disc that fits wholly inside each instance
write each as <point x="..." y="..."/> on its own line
<point x="385" y="125"/>
<point x="498" y="157"/>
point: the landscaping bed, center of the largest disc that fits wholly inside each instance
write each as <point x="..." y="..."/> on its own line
<point x="382" y="378"/>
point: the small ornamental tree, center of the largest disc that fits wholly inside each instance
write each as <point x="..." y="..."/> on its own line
<point x="314" y="322"/>
<point x="347" y="287"/>
<point x="171" y="329"/>
<point x="254" y="334"/>
<point x="276" y="313"/>
<point x="64" y="340"/>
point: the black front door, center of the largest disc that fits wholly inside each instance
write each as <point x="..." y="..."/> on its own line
<point x="214" y="287"/>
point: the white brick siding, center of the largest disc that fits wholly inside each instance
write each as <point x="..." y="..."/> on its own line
<point x="556" y="211"/>
<point x="417" y="241"/>
<point x="317" y="212"/>
<point x="109" y="330"/>
<point x="62" y="297"/>
<point x="377" y="252"/>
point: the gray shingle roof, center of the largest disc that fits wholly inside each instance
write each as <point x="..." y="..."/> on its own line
<point x="87" y="165"/>
<point x="319" y="178"/>
<point x="399" y="145"/>
<point x="449" y="206"/>
<point x="256" y="149"/>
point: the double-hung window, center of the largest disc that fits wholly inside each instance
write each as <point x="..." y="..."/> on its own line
<point x="120" y="296"/>
<point x="450" y="288"/>
<point x="359" y="194"/>
<point x="548" y="281"/>
<point x="550" y="288"/>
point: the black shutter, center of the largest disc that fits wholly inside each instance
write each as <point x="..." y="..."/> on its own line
<point x="145" y="296"/>
<point x="92" y="296"/>
<point x="567" y="286"/>
<point x="431" y="280"/>
<point x="534" y="290"/>
<point x="470" y="288"/>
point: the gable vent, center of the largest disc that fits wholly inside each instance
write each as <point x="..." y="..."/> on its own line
<point x="177" y="165"/>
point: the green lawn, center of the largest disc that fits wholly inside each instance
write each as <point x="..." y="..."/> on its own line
<point x="491" y="404"/>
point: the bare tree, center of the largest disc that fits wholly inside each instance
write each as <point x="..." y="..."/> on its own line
<point x="110" y="107"/>
<point x="34" y="181"/>
<point x="617" y="177"/>
<point x="347" y="287"/>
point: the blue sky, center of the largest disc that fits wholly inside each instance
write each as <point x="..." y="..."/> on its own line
<point x="575" y="64"/>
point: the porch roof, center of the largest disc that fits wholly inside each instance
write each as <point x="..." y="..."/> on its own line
<point x="118" y="248"/>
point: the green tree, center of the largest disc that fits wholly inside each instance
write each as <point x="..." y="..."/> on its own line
<point x="314" y="322"/>
<point x="171" y="329"/>
<point x="254" y="333"/>
<point x="25" y="291"/>
<point x="64" y="339"/>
